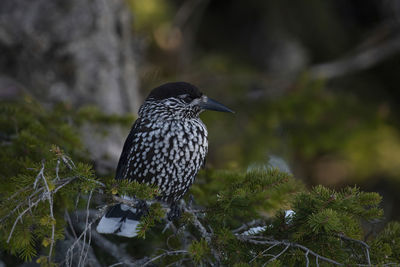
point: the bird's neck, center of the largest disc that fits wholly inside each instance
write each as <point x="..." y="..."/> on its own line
<point x="153" y="112"/>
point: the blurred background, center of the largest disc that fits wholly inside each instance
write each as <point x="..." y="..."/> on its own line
<point x="315" y="84"/>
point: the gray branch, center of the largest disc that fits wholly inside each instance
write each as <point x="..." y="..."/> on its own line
<point x="365" y="245"/>
<point x="204" y="233"/>
<point x="259" y="240"/>
<point x="360" y="61"/>
<point x="248" y="225"/>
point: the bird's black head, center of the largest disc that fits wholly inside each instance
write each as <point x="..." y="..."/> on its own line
<point x="185" y="91"/>
<point x="178" y="100"/>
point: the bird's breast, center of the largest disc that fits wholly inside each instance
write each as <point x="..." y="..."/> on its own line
<point x="172" y="153"/>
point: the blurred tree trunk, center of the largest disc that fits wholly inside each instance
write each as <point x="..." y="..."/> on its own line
<point x="75" y="51"/>
<point x="79" y="52"/>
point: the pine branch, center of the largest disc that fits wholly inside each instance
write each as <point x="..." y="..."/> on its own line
<point x="166" y="253"/>
<point x="28" y="201"/>
<point x="259" y="240"/>
<point x="117" y="252"/>
<point x="87" y="230"/>
<point x="39" y="195"/>
<point x="42" y="190"/>
<point x="365" y="245"/>
<point x="263" y="253"/>
<point x="277" y="255"/>
<point x="19" y="218"/>
<point x="68" y="161"/>
<point x="92" y="259"/>
<point x="211" y="247"/>
<point x="133" y="202"/>
<point x="202" y="230"/>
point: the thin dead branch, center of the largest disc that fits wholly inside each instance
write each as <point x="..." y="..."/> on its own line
<point x="202" y="230"/>
<point x="365" y="245"/>
<point x="86" y="231"/>
<point x="166" y="253"/>
<point x="259" y="240"/>
<point x="357" y="62"/>
<point x="278" y="255"/>
<point x="248" y="225"/>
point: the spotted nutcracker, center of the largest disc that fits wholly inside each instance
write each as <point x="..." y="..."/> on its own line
<point x="166" y="146"/>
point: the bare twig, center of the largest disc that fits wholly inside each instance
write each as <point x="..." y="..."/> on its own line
<point x="257" y="240"/>
<point x="18" y="192"/>
<point x="117" y="252"/>
<point x="178" y="262"/>
<point x="57" y="169"/>
<point x="263" y="253"/>
<point x="68" y="162"/>
<point x="32" y="201"/>
<point x="365" y="245"/>
<point x="248" y="225"/>
<point x="360" y="61"/>
<point x="49" y="196"/>
<point x="68" y="219"/>
<point x="82" y="237"/>
<point x="40" y="174"/>
<point x="19" y="218"/>
<point x="45" y="192"/>
<point x="206" y="235"/>
<point x="199" y="225"/>
<point x="166" y="253"/>
<point x="18" y="207"/>
<point x="83" y="253"/>
<point x="307" y="259"/>
<point x="278" y="255"/>
<point x="92" y="259"/>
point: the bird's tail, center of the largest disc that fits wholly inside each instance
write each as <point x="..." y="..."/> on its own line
<point x="121" y="220"/>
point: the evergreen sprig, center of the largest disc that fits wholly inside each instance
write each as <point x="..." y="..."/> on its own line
<point x="131" y="188"/>
<point x="237" y="218"/>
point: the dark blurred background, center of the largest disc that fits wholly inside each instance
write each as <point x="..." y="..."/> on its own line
<point x="315" y="84"/>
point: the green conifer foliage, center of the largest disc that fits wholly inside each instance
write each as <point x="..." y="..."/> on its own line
<point x="39" y="182"/>
<point x="230" y="218"/>
<point x="386" y="246"/>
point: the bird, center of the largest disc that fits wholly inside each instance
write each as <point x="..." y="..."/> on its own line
<point x="166" y="147"/>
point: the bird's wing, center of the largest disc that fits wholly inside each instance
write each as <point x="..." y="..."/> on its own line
<point x="123" y="159"/>
<point x="131" y="150"/>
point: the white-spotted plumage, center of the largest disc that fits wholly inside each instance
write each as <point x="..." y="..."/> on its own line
<point x="166" y="147"/>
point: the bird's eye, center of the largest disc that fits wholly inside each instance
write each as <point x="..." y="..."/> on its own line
<point x="187" y="98"/>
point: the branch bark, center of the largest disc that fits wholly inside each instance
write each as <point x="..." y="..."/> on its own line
<point x="259" y="240"/>
<point x="361" y="61"/>
<point x="204" y="233"/>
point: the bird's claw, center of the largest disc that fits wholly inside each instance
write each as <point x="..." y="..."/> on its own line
<point x="175" y="212"/>
<point x="142" y="207"/>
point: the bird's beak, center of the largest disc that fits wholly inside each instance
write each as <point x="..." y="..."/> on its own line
<point x="211" y="104"/>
